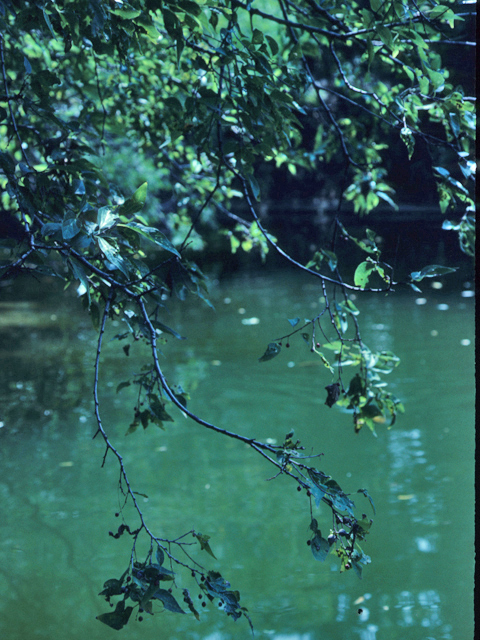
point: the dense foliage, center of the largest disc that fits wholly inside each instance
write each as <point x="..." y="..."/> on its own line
<point x="193" y="97"/>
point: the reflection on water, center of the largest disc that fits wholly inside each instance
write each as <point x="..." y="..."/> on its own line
<point x="58" y="504"/>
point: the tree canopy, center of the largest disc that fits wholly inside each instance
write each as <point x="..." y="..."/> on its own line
<point x="129" y="128"/>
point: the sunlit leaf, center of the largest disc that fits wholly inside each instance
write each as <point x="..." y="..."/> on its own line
<point x="152" y="234"/>
<point x="106" y="218"/>
<point x="135" y="203"/>
<point x="362" y="273"/>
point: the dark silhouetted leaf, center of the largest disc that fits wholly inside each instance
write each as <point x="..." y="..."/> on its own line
<point x="333" y="394"/>
<point x="319" y="547"/>
<point x="273" y="350"/>
<point x="203" y="540"/>
<point x="189" y="601"/>
<point x="367" y="495"/>
<point x="160" y="555"/>
<point x="116" y="619"/>
<point x="70" y="227"/>
<point x="168" y="601"/>
<point x="112" y="587"/>
<point x="165" y="329"/>
<point x="122" y="385"/>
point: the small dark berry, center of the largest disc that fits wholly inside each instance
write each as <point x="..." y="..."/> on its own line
<point x="204" y="604"/>
<point x="360" y="611"/>
<point x="220" y="604"/>
<point x="288" y="345"/>
<point x="140" y="618"/>
<point x="317" y="344"/>
<point x="128" y="578"/>
<point x="170" y="590"/>
<point x="299" y="488"/>
<point x="309" y="542"/>
<point x="348" y="566"/>
<point x="200" y="597"/>
<point x="117" y="514"/>
<point x="309" y="493"/>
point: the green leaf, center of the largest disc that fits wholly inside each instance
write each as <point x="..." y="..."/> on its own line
<point x="165" y="329"/>
<point x="257" y="36"/>
<point x="385" y="36"/>
<point x="112" y="255"/>
<point x="362" y="273"/>
<point x="79" y="274"/>
<point x="333" y="394"/>
<point x="7" y="163"/>
<point x="160" y="555"/>
<point x="106" y="218"/>
<point x="27" y="65"/>
<point x="432" y="271"/>
<point x="70" y="227"/>
<point x="190" y="7"/>
<point x="273" y="45"/>
<point x="406" y="135"/>
<point x="331" y="258"/>
<point x="168" y="600"/>
<point x="320" y="547"/>
<point x="317" y="484"/>
<point x="112" y="587"/>
<point x="158" y="410"/>
<point x="126" y="13"/>
<point x="135" y="203"/>
<point x="338" y="498"/>
<point x="152" y="234"/>
<point x="148" y="595"/>
<point x="254" y="186"/>
<point x="367" y="495"/>
<point x="272" y="350"/>
<point x="116" y="619"/>
<point x="294" y="322"/>
<point x="203" y="540"/>
<point x="49" y="24"/>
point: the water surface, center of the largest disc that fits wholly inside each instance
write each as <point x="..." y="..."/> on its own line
<point x="58" y="504"/>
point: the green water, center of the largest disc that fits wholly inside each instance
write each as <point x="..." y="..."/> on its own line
<point x="58" y="504"/>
